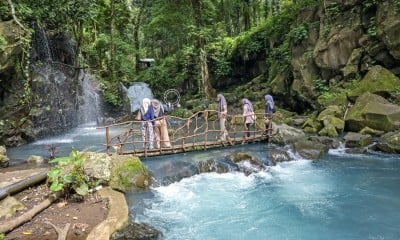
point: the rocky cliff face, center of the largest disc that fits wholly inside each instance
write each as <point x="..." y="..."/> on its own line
<point x="341" y="42"/>
<point x="39" y="90"/>
<point x="14" y="125"/>
<point x="349" y="39"/>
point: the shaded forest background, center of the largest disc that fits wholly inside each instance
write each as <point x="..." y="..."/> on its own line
<point x="187" y="38"/>
<point x="304" y="52"/>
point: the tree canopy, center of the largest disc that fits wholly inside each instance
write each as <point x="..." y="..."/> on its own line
<point x="194" y="42"/>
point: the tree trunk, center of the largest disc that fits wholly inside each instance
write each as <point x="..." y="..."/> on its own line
<point x="205" y="79"/>
<point x="21" y="185"/>
<point x="18" y="221"/>
<point x="15" y="16"/>
<point x="136" y="30"/>
<point x="246" y="15"/>
<point x="112" y="43"/>
<point x="204" y="74"/>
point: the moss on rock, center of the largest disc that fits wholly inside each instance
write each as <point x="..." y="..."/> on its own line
<point x="378" y="80"/>
<point x="128" y="172"/>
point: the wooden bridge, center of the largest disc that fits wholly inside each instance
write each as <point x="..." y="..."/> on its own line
<point x="200" y="131"/>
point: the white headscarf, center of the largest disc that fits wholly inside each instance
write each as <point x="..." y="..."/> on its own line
<point x="145" y="106"/>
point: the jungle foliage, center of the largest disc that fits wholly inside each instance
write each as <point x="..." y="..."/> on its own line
<point x="111" y="36"/>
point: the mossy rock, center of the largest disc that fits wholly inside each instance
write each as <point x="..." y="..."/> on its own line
<point x="353" y="139"/>
<point x="128" y="172"/>
<point x="379" y="81"/>
<point x="373" y="111"/>
<point x="310" y="150"/>
<point x="390" y="142"/>
<point x="329" y="131"/>
<point x="328" y="99"/>
<point x="332" y="121"/>
<point x="370" y="131"/>
<point x="332" y="110"/>
<point x="312" y="124"/>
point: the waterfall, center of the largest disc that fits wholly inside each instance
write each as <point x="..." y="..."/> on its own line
<point x="90" y="108"/>
<point x="64" y="98"/>
<point x="136" y="92"/>
<point x="42" y="44"/>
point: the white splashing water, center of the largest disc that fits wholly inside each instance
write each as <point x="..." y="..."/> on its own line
<point x="90" y="110"/>
<point x="301" y="199"/>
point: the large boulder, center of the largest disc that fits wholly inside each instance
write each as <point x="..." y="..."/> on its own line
<point x="310" y="150"/>
<point x="128" y="172"/>
<point x="286" y="134"/>
<point x="373" y="111"/>
<point x="390" y="142"/>
<point x="212" y="166"/>
<point x="354" y="140"/>
<point x="333" y="53"/>
<point x="332" y="110"/>
<point x="379" y="81"/>
<point x="121" y="172"/>
<point x="329" y="142"/>
<point x="332" y="126"/>
<point x="278" y="155"/>
<point x="388" y="26"/>
<point x="173" y="171"/>
<point x="98" y="166"/>
<point x="246" y="162"/>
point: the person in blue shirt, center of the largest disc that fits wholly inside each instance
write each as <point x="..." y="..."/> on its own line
<point x="147" y="117"/>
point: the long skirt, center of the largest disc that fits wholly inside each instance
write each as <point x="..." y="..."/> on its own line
<point x="161" y="134"/>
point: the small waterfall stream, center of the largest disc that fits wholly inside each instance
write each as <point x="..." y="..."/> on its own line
<point x="42" y="43"/>
<point x="90" y="109"/>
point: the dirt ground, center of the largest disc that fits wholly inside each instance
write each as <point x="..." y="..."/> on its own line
<point x="82" y="215"/>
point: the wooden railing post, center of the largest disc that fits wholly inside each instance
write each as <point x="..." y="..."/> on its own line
<point x="108" y="140"/>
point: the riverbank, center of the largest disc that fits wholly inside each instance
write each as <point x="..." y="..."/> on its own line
<point x="96" y="216"/>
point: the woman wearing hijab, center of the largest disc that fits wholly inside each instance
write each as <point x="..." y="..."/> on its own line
<point x="147" y="118"/>
<point x="222" y="114"/>
<point x="160" y="125"/>
<point x="269" y="109"/>
<point x="248" y="115"/>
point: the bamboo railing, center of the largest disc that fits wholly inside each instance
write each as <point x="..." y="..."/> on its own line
<point x="200" y="131"/>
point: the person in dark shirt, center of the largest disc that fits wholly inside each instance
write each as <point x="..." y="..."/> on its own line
<point x="147" y="116"/>
<point x="269" y="110"/>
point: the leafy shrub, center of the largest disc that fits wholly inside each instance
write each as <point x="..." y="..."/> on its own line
<point x="68" y="174"/>
<point x="321" y="85"/>
<point x="299" y="33"/>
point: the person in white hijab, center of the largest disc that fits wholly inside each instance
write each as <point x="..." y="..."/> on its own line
<point x="147" y="118"/>
<point x="269" y="111"/>
<point x="248" y="115"/>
